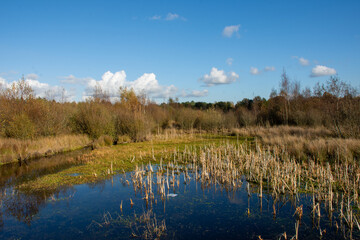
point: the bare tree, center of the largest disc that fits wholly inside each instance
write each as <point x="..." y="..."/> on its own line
<point x="285" y="92"/>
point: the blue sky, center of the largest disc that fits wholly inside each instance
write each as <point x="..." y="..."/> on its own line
<point x="194" y="50"/>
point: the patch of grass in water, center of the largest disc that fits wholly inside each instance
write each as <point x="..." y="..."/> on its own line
<point x="102" y="163"/>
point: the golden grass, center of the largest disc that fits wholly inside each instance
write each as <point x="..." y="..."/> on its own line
<point x="282" y="131"/>
<point x="303" y="143"/>
<point x="334" y="187"/>
<point x="11" y="149"/>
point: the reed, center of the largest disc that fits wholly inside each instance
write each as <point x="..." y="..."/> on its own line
<point x="223" y="167"/>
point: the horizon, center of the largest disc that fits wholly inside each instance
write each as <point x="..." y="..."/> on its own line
<point x="203" y="51"/>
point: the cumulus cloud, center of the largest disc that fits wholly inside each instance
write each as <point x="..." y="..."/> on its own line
<point x="254" y="71"/>
<point x="320" y="70"/>
<point x="230" y="30"/>
<point x="269" y="69"/>
<point x="217" y="77"/>
<point x="229" y="61"/>
<point x="43" y="90"/>
<point x="147" y="83"/>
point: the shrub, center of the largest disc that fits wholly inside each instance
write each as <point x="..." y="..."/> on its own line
<point x="210" y="120"/>
<point x="134" y="125"/>
<point x="20" y="127"/>
<point x="93" y="119"/>
<point x="186" y="117"/>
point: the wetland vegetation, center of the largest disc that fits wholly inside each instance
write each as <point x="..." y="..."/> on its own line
<point x="282" y="168"/>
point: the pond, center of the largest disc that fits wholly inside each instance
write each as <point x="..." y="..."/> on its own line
<point x="168" y="202"/>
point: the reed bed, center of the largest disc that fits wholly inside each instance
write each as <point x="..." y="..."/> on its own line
<point x="302" y="143"/>
<point x="283" y="131"/>
<point x="334" y="187"/>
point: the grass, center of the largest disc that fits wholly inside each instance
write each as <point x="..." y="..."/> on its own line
<point x="11" y="149"/>
<point x="334" y="188"/>
<point x="104" y="162"/>
<point x="303" y="143"/>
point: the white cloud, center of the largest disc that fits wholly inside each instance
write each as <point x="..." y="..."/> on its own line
<point x="168" y="17"/>
<point x="320" y="70"/>
<point x="33" y="76"/>
<point x="147" y="83"/>
<point x="254" y="71"/>
<point x="2" y="81"/>
<point x="304" y="62"/>
<point x="3" y="84"/>
<point x="217" y="77"/>
<point x="230" y="30"/>
<point x="229" y="61"/>
<point x="194" y="93"/>
<point x="42" y="90"/>
<point x="155" y="17"/>
<point x="71" y="79"/>
<point x="171" y="16"/>
<point x="269" y="69"/>
<point x="110" y="83"/>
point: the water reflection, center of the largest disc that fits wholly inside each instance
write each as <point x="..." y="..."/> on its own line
<point x="25" y="206"/>
<point x="188" y="207"/>
<point x="15" y="173"/>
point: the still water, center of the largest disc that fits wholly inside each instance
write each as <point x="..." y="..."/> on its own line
<point x="189" y="210"/>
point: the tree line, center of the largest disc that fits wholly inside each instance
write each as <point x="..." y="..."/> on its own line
<point x="334" y="105"/>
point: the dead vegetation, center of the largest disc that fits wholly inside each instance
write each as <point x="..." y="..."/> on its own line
<point x="334" y="188"/>
<point x="319" y="144"/>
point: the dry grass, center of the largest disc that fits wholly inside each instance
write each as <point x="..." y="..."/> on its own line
<point x="334" y="187"/>
<point x="11" y="149"/>
<point x="316" y="143"/>
<point x="283" y="131"/>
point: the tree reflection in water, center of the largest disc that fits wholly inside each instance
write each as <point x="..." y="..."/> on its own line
<point x="25" y="205"/>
